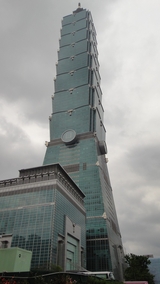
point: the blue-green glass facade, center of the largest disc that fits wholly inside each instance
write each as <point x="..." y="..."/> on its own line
<point x="154" y="268"/>
<point x="77" y="106"/>
<point x="33" y="208"/>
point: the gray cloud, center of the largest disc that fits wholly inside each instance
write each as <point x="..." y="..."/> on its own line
<point x="144" y="161"/>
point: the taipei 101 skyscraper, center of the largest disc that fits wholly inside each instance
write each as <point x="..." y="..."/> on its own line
<point x="77" y="138"/>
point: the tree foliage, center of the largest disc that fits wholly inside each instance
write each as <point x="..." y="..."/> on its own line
<point x="137" y="268"/>
<point x="59" y="279"/>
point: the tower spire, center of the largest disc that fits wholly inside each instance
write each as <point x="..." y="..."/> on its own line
<point x="79" y="9"/>
<point x="77" y="138"/>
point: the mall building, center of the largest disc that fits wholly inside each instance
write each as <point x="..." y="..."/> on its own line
<point x="44" y="210"/>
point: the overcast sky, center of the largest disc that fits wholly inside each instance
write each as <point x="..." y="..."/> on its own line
<point x="128" y="34"/>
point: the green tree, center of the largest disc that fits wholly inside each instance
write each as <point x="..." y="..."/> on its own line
<point x="137" y="268"/>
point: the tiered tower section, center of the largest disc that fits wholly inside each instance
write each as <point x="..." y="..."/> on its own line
<point x="77" y="138"/>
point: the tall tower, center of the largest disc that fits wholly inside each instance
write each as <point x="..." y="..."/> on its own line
<point x="77" y="138"/>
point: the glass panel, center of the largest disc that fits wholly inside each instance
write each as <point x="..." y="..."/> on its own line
<point x="67" y="81"/>
<point x="78" y="120"/>
<point x="93" y="37"/>
<point x="100" y="130"/>
<point x="27" y="221"/>
<point x="99" y="106"/>
<point x="95" y="257"/>
<point x="74" y="26"/>
<point x="73" y="37"/>
<point x="99" y="92"/>
<point x="72" y="50"/>
<point x="32" y="223"/>
<point x="72" y="63"/>
<point x="71" y="100"/>
<point x="74" y="17"/>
